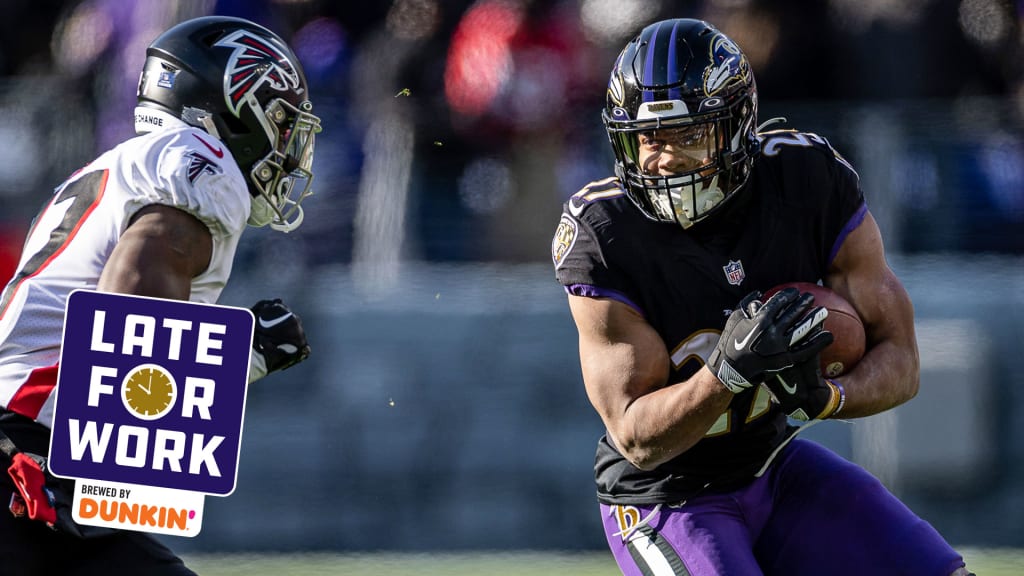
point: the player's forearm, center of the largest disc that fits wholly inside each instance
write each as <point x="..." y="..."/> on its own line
<point x="661" y="425"/>
<point x="887" y="376"/>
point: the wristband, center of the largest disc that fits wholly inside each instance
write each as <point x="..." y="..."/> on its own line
<point x="842" y="396"/>
<point x="257" y="366"/>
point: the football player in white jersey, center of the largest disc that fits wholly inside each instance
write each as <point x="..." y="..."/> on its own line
<point x="226" y="134"/>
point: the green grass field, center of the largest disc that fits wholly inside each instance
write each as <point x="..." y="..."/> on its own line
<point x="984" y="562"/>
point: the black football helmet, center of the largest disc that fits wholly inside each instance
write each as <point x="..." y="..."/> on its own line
<point x="242" y="84"/>
<point x="685" y="76"/>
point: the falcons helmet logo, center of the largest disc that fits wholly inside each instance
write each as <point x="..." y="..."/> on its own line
<point x="254" y="63"/>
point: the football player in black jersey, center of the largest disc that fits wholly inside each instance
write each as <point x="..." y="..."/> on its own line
<point x="692" y="371"/>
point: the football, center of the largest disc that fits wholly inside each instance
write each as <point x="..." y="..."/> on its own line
<point x="843" y="322"/>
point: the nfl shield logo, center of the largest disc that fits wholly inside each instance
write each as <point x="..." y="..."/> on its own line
<point x="734" y="272"/>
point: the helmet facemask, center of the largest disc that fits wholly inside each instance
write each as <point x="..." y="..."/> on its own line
<point x="712" y="167"/>
<point x="283" y="178"/>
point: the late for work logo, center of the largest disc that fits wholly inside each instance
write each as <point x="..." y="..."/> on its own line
<point x="151" y="393"/>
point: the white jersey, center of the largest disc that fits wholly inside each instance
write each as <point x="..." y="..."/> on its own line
<point x="74" y="235"/>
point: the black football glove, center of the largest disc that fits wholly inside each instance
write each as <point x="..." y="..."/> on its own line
<point x="802" y="393"/>
<point x="759" y="338"/>
<point x="278" y="340"/>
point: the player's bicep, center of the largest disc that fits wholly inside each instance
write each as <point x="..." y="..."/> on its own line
<point x="158" y="254"/>
<point x="861" y="274"/>
<point x="621" y="356"/>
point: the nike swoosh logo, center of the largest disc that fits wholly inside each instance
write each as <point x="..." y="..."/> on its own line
<point x="218" y="152"/>
<point x="789" y="389"/>
<point x="275" y="321"/>
<point x="574" y="209"/>
<point x="741" y="344"/>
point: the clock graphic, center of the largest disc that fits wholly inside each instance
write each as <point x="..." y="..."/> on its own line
<point x="149" y="391"/>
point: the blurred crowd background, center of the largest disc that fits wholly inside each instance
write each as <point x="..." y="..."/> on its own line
<point x="442" y="407"/>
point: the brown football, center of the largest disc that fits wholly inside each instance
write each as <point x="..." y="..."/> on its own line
<point x="843" y="322"/>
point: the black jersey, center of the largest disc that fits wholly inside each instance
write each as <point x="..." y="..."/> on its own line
<point x="800" y="202"/>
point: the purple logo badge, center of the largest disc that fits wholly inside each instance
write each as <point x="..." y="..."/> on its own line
<point x="151" y="392"/>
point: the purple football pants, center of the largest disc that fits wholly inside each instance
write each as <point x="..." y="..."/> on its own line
<point x="812" y="513"/>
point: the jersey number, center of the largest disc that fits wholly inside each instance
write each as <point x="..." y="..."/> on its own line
<point x="773" y="140"/>
<point x="697" y="348"/>
<point x="802" y="139"/>
<point x="84" y="194"/>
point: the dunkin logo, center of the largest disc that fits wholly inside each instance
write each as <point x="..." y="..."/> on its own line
<point x="134" y="515"/>
<point x="135" y="507"/>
